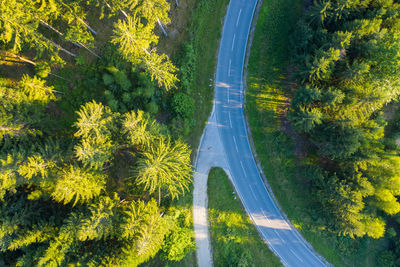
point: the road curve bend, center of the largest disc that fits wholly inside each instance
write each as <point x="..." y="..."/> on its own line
<point x="225" y="144"/>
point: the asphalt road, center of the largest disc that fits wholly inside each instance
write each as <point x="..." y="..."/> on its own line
<point x="281" y="237"/>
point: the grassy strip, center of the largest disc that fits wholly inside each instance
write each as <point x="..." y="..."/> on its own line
<point x="268" y="95"/>
<point x="235" y="240"/>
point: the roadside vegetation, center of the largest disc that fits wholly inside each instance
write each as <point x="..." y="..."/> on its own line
<point x="93" y="95"/>
<point x="342" y="153"/>
<point x="234" y="238"/>
<point x="197" y="67"/>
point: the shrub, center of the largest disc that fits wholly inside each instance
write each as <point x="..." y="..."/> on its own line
<point x="183" y="105"/>
<point x="107" y="79"/>
<point x="178" y="244"/>
<point x="152" y="107"/>
<point x="122" y="80"/>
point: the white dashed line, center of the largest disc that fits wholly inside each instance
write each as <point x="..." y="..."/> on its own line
<point x="229" y="70"/>
<point x="251" y="188"/>
<point x="241" y="164"/>
<point x="276" y="232"/>
<point x="228" y="93"/>
<point x="237" y="21"/>
<point x="296" y="255"/>
<point x="230" y="120"/>
<point x="234" y="140"/>
<point x="233" y="42"/>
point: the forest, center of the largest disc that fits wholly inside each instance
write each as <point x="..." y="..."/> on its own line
<point x="347" y="67"/>
<point x="93" y="122"/>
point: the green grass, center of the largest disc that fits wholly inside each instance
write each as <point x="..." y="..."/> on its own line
<point x="268" y="96"/>
<point x="234" y="238"/>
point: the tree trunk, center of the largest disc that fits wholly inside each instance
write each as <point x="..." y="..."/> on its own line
<point x="162" y="27"/>
<point x="12" y="61"/>
<point x="50" y="27"/>
<point x="55" y="75"/>
<point x="87" y="48"/>
<point x="87" y="26"/>
<point x="123" y="12"/>
<point x="18" y="57"/>
<point x="62" y="49"/>
<point x="29" y="62"/>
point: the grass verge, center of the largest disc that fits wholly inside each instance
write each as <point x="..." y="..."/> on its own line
<point x="235" y="240"/>
<point x="268" y="96"/>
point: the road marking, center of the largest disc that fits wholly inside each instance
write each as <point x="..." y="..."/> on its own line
<point x="234" y="140"/>
<point x="251" y="188"/>
<point x="233" y="42"/>
<point x="276" y="232"/>
<point x="241" y="164"/>
<point x="229" y="70"/>
<point x="230" y="120"/>
<point x="296" y="255"/>
<point x="228" y="95"/>
<point x="265" y="215"/>
<point x="237" y="21"/>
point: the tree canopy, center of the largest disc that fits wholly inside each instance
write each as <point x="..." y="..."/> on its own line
<point x="348" y="69"/>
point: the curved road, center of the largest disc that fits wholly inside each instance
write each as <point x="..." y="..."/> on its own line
<point x="235" y="154"/>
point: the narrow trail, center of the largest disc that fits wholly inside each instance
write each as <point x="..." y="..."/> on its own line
<point x="225" y="144"/>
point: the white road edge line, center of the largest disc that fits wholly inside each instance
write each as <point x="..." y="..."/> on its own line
<point x="233" y="42"/>
<point x="237" y="21"/>
<point x="230" y="120"/>
<point x="296" y="255"/>
<point x="234" y="140"/>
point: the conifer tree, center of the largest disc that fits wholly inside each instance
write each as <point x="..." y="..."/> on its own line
<point x="164" y="166"/>
<point x="77" y="185"/>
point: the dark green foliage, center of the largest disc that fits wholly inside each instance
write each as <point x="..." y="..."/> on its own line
<point x="187" y="67"/>
<point x="347" y="58"/>
<point x="183" y="105"/>
<point x="151" y="107"/>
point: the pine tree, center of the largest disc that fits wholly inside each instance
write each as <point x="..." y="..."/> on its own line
<point x="99" y="224"/>
<point x="136" y="127"/>
<point x="95" y="120"/>
<point x="36" y="89"/>
<point x="94" y="152"/>
<point x="77" y="185"/>
<point x="164" y="166"/>
<point x="161" y="69"/>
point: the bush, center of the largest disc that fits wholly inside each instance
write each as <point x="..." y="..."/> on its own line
<point x="187" y="67"/>
<point x="122" y="80"/>
<point x="107" y="79"/>
<point x="180" y="126"/>
<point x="386" y="259"/>
<point x="152" y="107"/>
<point x="183" y="105"/>
<point x="178" y="244"/>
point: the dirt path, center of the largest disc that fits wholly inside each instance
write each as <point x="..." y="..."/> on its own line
<point x="210" y="154"/>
